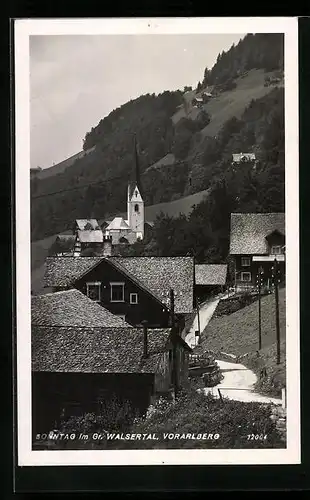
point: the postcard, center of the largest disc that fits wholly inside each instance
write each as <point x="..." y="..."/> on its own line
<point x="157" y="230"/>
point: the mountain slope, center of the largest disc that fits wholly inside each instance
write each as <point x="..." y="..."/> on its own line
<point x="183" y="150"/>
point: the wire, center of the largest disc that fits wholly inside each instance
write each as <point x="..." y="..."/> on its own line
<point x="105" y="181"/>
<point x="95" y="183"/>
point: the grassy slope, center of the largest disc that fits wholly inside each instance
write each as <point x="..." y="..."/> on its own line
<point x="237" y="333"/>
<point x="63" y="165"/>
<point x="231" y="103"/>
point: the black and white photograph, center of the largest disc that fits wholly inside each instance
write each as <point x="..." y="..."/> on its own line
<point x="157" y="236"/>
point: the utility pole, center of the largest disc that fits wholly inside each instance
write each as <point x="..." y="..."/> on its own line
<point x="198" y="320"/>
<point x="260" y="272"/>
<point x="276" y="294"/>
<point x="174" y="345"/>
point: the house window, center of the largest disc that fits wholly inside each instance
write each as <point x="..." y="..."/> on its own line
<point x="246" y="277"/>
<point x="133" y="298"/>
<point x="276" y="249"/>
<point x="245" y="261"/>
<point x="117" y="292"/>
<point x="136" y="207"/>
<point x="93" y="291"/>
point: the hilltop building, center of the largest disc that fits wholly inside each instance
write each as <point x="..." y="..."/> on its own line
<point x="243" y="157"/>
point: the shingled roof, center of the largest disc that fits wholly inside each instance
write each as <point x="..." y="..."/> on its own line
<point x="118" y="223"/>
<point x="210" y="274"/>
<point x="248" y="232"/>
<point x="63" y="271"/>
<point x="71" y="308"/>
<point x="160" y="274"/>
<point x="96" y="350"/>
<point x="157" y="275"/>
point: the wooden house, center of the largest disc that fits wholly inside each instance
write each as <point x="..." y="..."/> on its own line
<point x="135" y="288"/>
<point x="256" y="240"/>
<point x="88" y="234"/>
<point x="209" y="279"/>
<point x="78" y="370"/>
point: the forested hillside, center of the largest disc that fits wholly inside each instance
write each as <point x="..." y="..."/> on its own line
<point x="95" y="185"/>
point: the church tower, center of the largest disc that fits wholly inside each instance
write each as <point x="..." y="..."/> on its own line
<point x="135" y="203"/>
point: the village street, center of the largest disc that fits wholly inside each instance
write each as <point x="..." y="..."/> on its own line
<point x="238" y="380"/>
<point x="206" y="311"/>
<point x="238" y="384"/>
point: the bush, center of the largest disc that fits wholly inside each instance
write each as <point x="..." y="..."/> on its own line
<point x="194" y="413"/>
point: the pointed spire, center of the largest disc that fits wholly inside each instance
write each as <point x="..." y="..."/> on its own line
<point x="137" y="166"/>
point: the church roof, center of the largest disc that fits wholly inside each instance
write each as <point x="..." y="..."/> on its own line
<point x="118" y="223"/>
<point x="87" y="224"/>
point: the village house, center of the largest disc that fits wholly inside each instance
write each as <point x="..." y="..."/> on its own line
<point x="134" y="288"/>
<point x="198" y="102"/>
<point x="243" y="157"/>
<point x="209" y="279"/>
<point x="88" y="235"/>
<point x="78" y="370"/>
<point x="71" y="308"/>
<point x="256" y="240"/>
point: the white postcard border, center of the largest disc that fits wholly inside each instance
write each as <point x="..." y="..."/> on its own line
<point x="23" y="29"/>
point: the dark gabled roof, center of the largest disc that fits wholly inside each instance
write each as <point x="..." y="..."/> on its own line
<point x="210" y="274"/>
<point x="96" y="350"/>
<point x="71" y="308"/>
<point x="248" y="232"/>
<point x="160" y="274"/>
<point x="156" y="275"/>
<point x="63" y="271"/>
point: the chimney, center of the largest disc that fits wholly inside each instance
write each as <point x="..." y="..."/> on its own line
<point x="107" y="246"/>
<point x="145" y="346"/>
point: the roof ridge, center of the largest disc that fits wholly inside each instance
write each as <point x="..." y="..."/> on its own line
<point x="57" y="293"/>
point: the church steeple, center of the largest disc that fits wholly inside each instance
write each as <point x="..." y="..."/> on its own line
<point x="137" y="179"/>
<point x="135" y="204"/>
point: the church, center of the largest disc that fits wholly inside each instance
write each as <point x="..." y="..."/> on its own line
<point x="103" y="236"/>
<point x="131" y="229"/>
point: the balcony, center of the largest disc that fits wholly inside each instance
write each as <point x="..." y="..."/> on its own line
<point x="269" y="258"/>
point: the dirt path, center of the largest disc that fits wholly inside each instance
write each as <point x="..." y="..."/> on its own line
<point x="206" y="311"/>
<point x="238" y="384"/>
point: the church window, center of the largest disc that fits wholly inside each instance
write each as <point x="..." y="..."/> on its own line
<point x="136" y="207"/>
